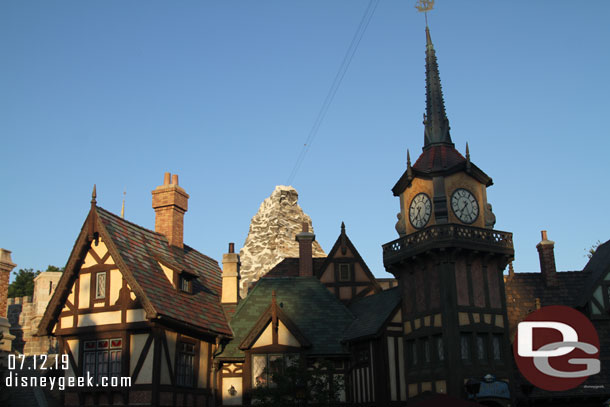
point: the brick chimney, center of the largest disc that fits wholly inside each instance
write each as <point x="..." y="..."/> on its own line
<point x="170" y="202"/>
<point x="305" y="239"/>
<point x="230" y="277"/>
<point x="546" y="251"/>
<point x="6" y="266"/>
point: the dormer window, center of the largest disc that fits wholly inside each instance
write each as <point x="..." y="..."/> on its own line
<point x="185" y="283"/>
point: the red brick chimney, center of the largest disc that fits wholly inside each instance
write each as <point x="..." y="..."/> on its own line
<point x="170" y="202"/>
<point x="546" y="251"/>
<point x="305" y="239"/>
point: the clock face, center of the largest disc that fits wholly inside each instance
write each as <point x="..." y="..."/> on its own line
<point x="464" y="205"/>
<point x="420" y="210"/>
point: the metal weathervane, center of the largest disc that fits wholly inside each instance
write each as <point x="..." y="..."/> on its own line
<point x="423" y="6"/>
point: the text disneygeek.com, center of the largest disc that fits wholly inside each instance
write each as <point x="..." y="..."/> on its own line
<point x="16" y="380"/>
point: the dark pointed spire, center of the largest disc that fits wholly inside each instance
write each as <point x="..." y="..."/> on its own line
<point x="468" y="164"/>
<point x="435" y="119"/>
<point x="93" y="196"/>
<point x="343" y="242"/>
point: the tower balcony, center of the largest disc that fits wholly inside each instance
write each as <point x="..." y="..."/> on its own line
<point x="448" y="236"/>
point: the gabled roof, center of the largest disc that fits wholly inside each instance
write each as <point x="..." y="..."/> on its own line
<point x="273" y="314"/>
<point x="319" y="315"/>
<point x="598" y="266"/>
<point x="137" y="252"/>
<point x="289" y="267"/>
<point x="372" y="313"/>
<point x="343" y="243"/>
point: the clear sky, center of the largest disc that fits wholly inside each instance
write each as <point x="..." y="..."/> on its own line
<point x="224" y="94"/>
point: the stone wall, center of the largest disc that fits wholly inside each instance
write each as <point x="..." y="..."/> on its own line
<point x="24" y="315"/>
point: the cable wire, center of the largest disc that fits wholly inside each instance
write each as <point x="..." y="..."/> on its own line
<point x="347" y="59"/>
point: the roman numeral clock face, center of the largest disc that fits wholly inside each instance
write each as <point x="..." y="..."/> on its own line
<point x="420" y="210"/>
<point x="464" y="205"/>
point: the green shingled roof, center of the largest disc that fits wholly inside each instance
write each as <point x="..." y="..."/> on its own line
<point x="318" y="314"/>
<point x="371" y="313"/>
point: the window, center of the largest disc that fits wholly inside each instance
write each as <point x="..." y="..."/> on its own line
<point x="100" y="285"/>
<point x="412" y="351"/>
<point x="344" y="272"/>
<point x="185" y="373"/>
<point x="185" y="283"/>
<point x="465" y="347"/>
<point x="497" y="350"/>
<point x="440" y="348"/>
<point x="264" y="366"/>
<point x="103" y="358"/>
<point x="426" y="343"/>
<point x="481" y="347"/>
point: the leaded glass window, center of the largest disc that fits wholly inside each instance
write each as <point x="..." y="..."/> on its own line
<point x="103" y="358"/>
<point x="185" y="372"/>
<point x="465" y="346"/>
<point x="100" y="285"/>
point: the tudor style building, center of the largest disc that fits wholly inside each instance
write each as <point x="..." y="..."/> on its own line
<point x="139" y="304"/>
<point x="448" y="261"/>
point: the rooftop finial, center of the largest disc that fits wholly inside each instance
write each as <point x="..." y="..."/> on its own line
<point x="468" y="165"/>
<point x="423" y="6"/>
<point x="409" y="170"/>
<point x="342" y="228"/>
<point x="123" y="206"/>
<point x="93" y="196"/>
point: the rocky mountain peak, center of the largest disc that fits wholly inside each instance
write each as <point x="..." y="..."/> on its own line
<point x="271" y="237"/>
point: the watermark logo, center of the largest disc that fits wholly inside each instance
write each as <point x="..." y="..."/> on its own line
<point x="556" y="348"/>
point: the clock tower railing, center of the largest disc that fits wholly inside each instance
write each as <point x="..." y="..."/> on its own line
<point x="447" y="235"/>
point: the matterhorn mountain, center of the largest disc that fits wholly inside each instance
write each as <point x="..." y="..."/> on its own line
<point x="271" y="237"/>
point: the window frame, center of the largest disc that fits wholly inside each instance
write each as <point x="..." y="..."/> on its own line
<point x="107" y="354"/>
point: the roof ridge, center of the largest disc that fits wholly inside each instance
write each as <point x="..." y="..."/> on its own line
<point x="151" y="231"/>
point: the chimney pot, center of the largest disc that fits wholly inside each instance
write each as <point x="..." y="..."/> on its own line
<point x="170" y="203"/>
<point x="231" y="247"/>
<point x="546" y="253"/>
<point x="175" y="179"/>
<point x="305" y="239"/>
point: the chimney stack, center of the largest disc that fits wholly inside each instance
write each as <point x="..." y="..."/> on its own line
<point x="170" y="202"/>
<point x="230" y="281"/>
<point x="305" y="239"/>
<point x="546" y="251"/>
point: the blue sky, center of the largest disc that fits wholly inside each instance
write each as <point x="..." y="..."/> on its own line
<point x="225" y="93"/>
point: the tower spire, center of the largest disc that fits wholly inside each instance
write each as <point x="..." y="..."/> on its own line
<point x="436" y="122"/>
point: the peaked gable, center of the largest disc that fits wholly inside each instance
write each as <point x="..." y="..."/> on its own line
<point x="136" y="252"/>
<point x="274" y="328"/>
<point x="318" y="315"/>
<point x="598" y="281"/>
<point x="359" y="276"/>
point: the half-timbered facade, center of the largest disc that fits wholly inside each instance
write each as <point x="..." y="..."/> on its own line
<point x="134" y="304"/>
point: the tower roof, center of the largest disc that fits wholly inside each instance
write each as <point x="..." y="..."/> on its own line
<point x="437" y="125"/>
<point x="439" y="156"/>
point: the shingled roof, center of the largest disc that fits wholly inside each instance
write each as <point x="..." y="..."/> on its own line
<point x="137" y="252"/>
<point x="319" y="315"/>
<point x="141" y="249"/>
<point x="372" y="313"/>
<point x="522" y="290"/>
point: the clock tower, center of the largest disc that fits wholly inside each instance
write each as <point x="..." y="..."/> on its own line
<point x="449" y="261"/>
